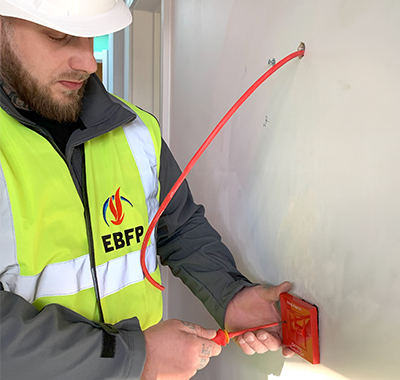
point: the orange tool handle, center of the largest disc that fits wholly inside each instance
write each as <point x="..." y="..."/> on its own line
<point x="223" y="337"/>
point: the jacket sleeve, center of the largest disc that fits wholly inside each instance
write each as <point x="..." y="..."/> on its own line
<point x="191" y="247"/>
<point x="59" y="344"/>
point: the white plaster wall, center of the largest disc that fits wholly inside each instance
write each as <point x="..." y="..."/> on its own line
<point x="303" y="183"/>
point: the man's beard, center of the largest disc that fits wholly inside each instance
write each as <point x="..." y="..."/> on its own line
<point x="38" y="97"/>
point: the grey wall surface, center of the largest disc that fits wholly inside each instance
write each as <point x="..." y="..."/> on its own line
<point x="303" y="183"/>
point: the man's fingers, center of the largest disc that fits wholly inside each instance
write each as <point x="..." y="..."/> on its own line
<point x="177" y="348"/>
<point x="287" y="352"/>
<point x="256" y="306"/>
<point x="209" y="348"/>
<point x="270" y="340"/>
<point x="194" y="329"/>
<point x="259" y="342"/>
<point x="203" y="363"/>
<point x="244" y="345"/>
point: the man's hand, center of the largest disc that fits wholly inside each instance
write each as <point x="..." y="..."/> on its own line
<point x="176" y="350"/>
<point x="256" y="306"/>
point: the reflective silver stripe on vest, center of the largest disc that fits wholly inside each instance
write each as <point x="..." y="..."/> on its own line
<point x="113" y="275"/>
<point x="142" y="147"/>
<point x="8" y="245"/>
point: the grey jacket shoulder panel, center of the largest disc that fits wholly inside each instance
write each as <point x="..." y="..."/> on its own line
<point x="59" y="344"/>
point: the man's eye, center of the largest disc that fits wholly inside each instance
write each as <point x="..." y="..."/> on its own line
<point x="59" y="39"/>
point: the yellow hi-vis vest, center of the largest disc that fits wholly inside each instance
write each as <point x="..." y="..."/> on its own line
<point x="44" y="240"/>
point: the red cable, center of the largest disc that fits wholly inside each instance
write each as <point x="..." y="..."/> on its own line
<point x="197" y="155"/>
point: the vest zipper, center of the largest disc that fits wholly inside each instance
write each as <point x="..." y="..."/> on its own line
<point x="109" y="331"/>
<point x="89" y="233"/>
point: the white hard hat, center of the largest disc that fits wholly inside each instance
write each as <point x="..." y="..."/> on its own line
<point x="82" y="18"/>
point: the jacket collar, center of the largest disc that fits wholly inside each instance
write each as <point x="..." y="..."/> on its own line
<point x="101" y="112"/>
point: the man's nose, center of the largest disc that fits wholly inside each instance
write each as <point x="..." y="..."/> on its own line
<point x="82" y="58"/>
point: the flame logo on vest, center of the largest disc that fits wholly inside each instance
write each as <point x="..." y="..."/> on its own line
<point x="114" y="203"/>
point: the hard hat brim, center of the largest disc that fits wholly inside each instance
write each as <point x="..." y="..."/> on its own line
<point x="112" y="21"/>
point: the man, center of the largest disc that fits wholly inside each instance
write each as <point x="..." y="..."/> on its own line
<point x="81" y="176"/>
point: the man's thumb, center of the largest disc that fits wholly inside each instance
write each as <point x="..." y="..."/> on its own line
<point x="272" y="294"/>
<point x="283" y="288"/>
<point x="206" y="333"/>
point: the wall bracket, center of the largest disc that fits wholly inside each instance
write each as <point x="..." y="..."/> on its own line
<point x="300" y="332"/>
